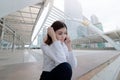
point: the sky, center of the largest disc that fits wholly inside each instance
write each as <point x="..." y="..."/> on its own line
<point x="107" y="11"/>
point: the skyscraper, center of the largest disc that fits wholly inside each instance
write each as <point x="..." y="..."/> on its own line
<point x="96" y="22"/>
<point x="72" y="8"/>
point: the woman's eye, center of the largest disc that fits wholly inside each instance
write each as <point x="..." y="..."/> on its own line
<point x="65" y="33"/>
<point x="60" y="33"/>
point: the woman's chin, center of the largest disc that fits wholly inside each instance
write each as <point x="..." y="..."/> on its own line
<point x="62" y="40"/>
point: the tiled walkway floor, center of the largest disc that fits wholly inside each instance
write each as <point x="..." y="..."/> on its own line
<point x="27" y="64"/>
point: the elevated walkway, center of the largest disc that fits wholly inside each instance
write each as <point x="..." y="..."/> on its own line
<point x="27" y="64"/>
<point x="8" y="7"/>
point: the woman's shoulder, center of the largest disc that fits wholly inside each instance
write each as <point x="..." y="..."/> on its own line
<point x="43" y="45"/>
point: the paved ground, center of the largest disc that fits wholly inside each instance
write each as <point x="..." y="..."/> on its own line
<point x="27" y="64"/>
<point x="118" y="78"/>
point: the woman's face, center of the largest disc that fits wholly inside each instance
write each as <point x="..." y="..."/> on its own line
<point x="61" y="34"/>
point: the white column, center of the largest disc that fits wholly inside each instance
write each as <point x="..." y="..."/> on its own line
<point x="1" y="37"/>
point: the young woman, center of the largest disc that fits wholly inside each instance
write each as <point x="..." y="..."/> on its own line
<point x="57" y="52"/>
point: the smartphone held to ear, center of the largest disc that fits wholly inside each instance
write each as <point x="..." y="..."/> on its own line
<point x="48" y="36"/>
<point x="65" y="39"/>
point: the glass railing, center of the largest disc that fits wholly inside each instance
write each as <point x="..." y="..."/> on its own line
<point x="9" y="39"/>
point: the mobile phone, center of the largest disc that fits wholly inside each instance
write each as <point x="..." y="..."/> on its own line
<point x="65" y="39"/>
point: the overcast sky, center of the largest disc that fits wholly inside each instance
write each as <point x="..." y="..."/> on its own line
<point x="107" y="11"/>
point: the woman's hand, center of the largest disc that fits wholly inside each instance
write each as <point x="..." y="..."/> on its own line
<point x="51" y="33"/>
<point x="68" y="43"/>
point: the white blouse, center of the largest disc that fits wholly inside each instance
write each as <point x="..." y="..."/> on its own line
<point x="55" y="54"/>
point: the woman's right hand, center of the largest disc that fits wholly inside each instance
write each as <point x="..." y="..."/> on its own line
<point x="51" y="33"/>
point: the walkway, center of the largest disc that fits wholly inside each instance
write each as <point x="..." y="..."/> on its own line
<point x="27" y="64"/>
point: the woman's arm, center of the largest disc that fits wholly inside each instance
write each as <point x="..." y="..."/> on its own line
<point x="55" y="52"/>
<point x="71" y="58"/>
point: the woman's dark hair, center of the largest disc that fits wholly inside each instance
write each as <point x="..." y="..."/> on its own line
<point x="56" y="25"/>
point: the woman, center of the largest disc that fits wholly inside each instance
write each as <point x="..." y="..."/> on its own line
<point x="57" y="52"/>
